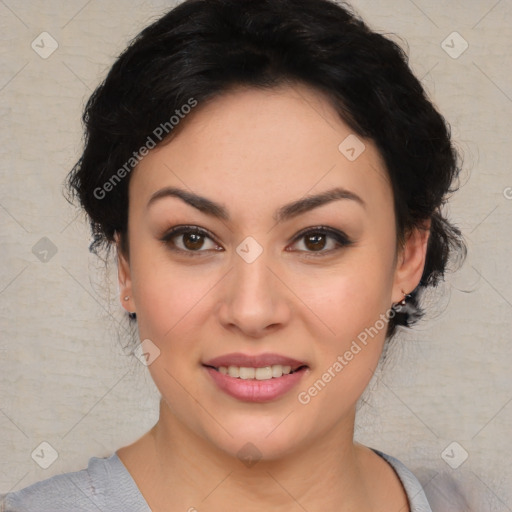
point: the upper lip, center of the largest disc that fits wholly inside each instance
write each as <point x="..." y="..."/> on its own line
<point x="254" y="361"/>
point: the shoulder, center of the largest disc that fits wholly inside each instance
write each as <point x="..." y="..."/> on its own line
<point x="67" y="491"/>
<point x="104" y="485"/>
<point x="444" y="490"/>
<point x="412" y="486"/>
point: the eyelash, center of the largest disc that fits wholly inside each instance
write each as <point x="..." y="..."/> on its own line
<point x="339" y="237"/>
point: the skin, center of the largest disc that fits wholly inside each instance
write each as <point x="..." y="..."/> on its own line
<point x="254" y="151"/>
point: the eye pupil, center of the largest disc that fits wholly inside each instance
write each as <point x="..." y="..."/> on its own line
<point x="196" y="240"/>
<point x="318" y="241"/>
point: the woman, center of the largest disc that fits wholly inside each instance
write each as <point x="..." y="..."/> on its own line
<point x="270" y="174"/>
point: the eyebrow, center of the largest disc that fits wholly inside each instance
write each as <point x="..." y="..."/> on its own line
<point x="284" y="213"/>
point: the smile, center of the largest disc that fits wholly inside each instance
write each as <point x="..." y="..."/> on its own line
<point x="259" y="382"/>
<point x="262" y="373"/>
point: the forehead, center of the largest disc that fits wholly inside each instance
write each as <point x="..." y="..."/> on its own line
<point x="262" y="146"/>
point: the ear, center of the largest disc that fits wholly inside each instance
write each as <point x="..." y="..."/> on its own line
<point x="124" y="278"/>
<point x="411" y="261"/>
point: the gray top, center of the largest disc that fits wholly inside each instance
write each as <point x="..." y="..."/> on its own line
<point x="107" y="486"/>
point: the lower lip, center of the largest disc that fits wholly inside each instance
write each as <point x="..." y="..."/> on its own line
<point x="253" y="390"/>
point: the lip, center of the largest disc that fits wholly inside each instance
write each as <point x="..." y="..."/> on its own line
<point x="253" y="390"/>
<point x="254" y="361"/>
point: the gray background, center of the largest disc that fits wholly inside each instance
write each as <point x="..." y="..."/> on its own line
<point x="65" y="377"/>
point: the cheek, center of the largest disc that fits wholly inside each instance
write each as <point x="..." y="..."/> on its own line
<point x="170" y="308"/>
<point x="352" y="306"/>
<point x="167" y="295"/>
<point x="346" y="361"/>
<point x="351" y="297"/>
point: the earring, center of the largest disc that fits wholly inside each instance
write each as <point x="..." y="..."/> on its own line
<point x="404" y="300"/>
<point x="130" y="314"/>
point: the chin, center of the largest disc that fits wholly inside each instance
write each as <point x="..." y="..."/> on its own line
<point x="265" y="438"/>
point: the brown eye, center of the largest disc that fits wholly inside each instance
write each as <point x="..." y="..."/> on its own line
<point x="322" y="240"/>
<point x="192" y="241"/>
<point x="189" y="239"/>
<point x="315" y="242"/>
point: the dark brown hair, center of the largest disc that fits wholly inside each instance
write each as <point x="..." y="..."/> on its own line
<point x="201" y="48"/>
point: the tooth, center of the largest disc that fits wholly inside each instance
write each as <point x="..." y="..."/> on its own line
<point x="247" y="373"/>
<point x="234" y="371"/>
<point x="264" y="373"/>
<point x="277" y="370"/>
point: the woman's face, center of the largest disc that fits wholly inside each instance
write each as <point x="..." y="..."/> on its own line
<point x="262" y="277"/>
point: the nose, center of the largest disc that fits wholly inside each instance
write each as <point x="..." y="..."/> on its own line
<point x="253" y="300"/>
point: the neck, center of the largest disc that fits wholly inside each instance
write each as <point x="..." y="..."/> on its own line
<point x="176" y="466"/>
